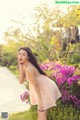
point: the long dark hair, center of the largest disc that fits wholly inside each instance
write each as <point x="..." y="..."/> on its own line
<point x="32" y="59"/>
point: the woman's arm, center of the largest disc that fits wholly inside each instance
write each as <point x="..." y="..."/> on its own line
<point x="21" y="74"/>
<point x="33" y="81"/>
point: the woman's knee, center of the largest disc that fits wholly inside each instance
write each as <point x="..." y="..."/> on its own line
<point x="40" y="113"/>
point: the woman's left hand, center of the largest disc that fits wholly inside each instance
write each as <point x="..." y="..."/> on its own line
<point x="40" y="107"/>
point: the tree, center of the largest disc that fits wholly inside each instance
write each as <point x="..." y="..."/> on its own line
<point x="44" y="40"/>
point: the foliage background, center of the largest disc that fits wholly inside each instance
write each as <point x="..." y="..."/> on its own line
<point x="51" y="38"/>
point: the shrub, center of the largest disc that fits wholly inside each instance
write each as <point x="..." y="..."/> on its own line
<point x="67" y="79"/>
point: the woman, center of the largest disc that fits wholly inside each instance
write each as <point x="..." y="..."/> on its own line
<point x="43" y="91"/>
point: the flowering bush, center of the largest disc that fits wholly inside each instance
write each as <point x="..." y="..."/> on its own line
<point x="68" y="80"/>
<point x="25" y="97"/>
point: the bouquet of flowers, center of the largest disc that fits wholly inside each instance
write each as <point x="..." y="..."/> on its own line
<point x="25" y="97"/>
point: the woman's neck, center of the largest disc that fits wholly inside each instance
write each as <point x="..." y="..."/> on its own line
<point x="26" y="63"/>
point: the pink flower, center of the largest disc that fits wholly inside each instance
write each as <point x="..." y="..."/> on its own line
<point x="25" y="97"/>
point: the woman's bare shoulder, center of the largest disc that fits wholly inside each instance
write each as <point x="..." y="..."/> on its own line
<point x="30" y="68"/>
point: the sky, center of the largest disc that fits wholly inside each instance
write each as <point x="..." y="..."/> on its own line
<point x="15" y="9"/>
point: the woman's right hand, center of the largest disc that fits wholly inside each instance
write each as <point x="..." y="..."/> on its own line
<point x="21" y="66"/>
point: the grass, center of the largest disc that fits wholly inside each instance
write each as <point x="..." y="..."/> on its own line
<point x="27" y="115"/>
<point x="55" y="113"/>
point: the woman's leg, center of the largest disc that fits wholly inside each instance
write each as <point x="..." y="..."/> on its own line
<point x="42" y="115"/>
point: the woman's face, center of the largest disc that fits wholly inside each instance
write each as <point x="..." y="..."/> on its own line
<point x="22" y="56"/>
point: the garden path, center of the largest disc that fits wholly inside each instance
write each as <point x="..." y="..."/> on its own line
<point x="10" y="90"/>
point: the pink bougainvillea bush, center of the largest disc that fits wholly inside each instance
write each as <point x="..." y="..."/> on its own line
<point x="67" y="79"/>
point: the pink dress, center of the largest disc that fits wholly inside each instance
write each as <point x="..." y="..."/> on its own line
<point x="49" y="92"/>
